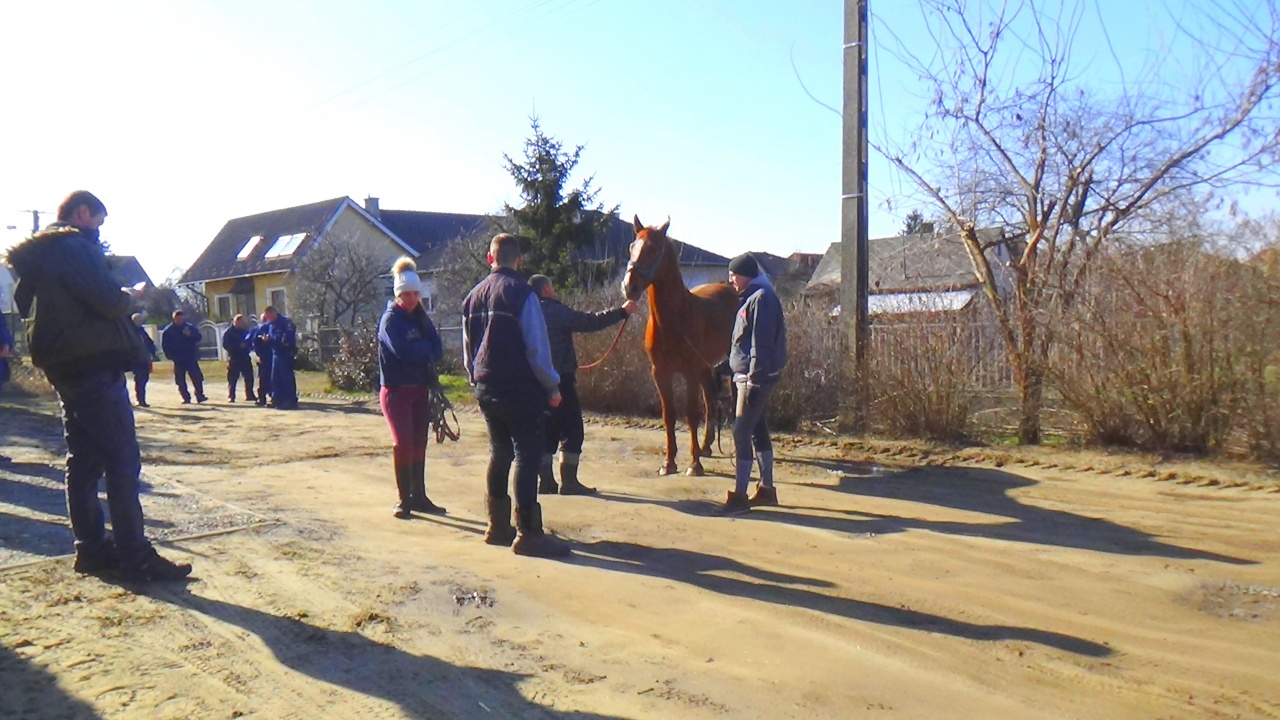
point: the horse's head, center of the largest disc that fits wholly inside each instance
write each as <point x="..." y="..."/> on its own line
<point x="650" y="248"/>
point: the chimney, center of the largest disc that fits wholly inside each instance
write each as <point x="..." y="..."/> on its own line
<point x="371" y="206"/>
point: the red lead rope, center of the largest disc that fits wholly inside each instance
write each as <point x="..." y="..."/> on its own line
<point x="612" y="345"/>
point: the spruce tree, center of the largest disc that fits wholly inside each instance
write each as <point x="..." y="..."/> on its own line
<point x="554" y="221"/>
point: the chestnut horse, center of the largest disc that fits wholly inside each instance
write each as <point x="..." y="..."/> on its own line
<point x="687" y="335"/>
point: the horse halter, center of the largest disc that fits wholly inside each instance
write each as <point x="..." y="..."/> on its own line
<point x="647" y="274"/>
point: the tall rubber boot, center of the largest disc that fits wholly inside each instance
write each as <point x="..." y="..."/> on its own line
<point x="500" y="531"/>
<point x="546" y="479"/>
<point x="532" y="540"/>
<point x="765" y="493"/>
<point x="403" y="508"/>
<point x="418" y="500"/>
<point x="569" y="484"/>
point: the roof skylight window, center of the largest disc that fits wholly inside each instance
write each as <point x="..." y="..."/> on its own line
<point x="248" y="248"/>
<point x="285" y="245"/>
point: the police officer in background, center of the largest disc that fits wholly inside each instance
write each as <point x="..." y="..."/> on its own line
<point x="142" y="368"/>
<point x="283" y="337"/>
<point x="237" y="342"/>
<point x="181" y="343"/>
<point x="260" y="337"/>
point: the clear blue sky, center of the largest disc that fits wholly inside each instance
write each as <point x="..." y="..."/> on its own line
<point x="181" y="115"/>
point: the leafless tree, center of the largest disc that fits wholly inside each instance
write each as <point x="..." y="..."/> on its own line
<point x="1025" y="134"/>
<point x="342" y="282"/>
<point x="460" y="266"/>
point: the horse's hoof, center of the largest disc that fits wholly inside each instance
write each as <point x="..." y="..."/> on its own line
<point x="667" y="470"/>
<point x="695" y="471"/>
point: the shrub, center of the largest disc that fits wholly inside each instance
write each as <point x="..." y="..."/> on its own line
<point x="1173" y="348"/>
<point x="354" y="367"/>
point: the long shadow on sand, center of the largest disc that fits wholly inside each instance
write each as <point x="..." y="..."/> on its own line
<point x="31" y="692"/>
<point x="989" y="492"/>
<point x="421" y="685"/>
<point x="695" y="568"/>
<point x="970" y="489"/>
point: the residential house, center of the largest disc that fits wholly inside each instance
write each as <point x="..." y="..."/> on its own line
<point x="253" y="260"/>
<point x="928" y="272"/>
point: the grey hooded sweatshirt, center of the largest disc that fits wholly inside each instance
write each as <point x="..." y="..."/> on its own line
<point x="759" y="341"/>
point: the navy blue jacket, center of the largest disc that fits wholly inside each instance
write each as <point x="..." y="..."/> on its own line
<point x="237" y="343"/>
<point x="504" y="336"/>
<point x="284" y="337"/>
<point x="261" y="339"/>
<point x="409" y="346"/>
<point x="180" y="348"/>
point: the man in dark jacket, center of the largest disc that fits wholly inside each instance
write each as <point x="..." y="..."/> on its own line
<point x="237" y="342"/>
<point x="181" y="344"/>
<point x="142" y="368"/>
<point x="757" y="354"/>
<point x="564" y="423"/>
<point x="261" y="338"/>
<point x="508" y="361"/>
<point x="81" y="337"/>
<point x="283" y="337"/>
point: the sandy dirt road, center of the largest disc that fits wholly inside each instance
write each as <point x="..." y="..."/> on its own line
<point x="884" y="587"/>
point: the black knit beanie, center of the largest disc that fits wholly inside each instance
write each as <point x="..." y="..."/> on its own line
<point x="744" y="265"/>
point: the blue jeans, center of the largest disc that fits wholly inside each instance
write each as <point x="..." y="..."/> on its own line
<point x="97" y="419"/>
<point x="515" y="417"/>
<point x="751" y="432"/>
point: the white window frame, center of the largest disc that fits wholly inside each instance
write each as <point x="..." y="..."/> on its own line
<point x="283" y="291"/>
<point x="231" y="305"/>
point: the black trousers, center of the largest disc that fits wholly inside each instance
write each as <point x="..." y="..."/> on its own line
<point x="239" y="367"/>
<point x="514" y="416"/>
<point x="183" y="370"/>
<point x="564" y="427"/>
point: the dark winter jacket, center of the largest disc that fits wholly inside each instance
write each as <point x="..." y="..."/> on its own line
<point x="183" y="348"/>
<point x="504" y="335"/>
<point x="563" y="321"/>
<point x="237" y="342"/>
<point x="409" y="347"/>
<point x="80" y="317"/>
<point x="759" y="341"/>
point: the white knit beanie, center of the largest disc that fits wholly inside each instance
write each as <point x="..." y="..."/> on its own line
<point x="406" y="277"/>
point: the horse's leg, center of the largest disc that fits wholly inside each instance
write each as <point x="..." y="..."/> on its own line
<point x="710" y="404"/>
<point x="693" y="387"/>
<point x="663" y="379"/>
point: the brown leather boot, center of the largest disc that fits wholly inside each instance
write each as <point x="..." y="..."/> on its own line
<point x="569" y="484"/>
<point x="546" y="479"/>
<point x="403" y="508"/>
<point x="764" y="496"/>
<point x="735" y="504"/>
<point x="500" y="530"/>
<point x="532" y="540"/>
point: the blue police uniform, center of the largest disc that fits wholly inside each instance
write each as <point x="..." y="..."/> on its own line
<point x="284" y="348"/>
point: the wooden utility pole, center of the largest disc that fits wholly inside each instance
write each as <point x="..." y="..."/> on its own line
<point x="853" y="217"/>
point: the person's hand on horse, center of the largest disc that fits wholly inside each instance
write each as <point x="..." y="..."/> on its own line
<point x="555" y="398"/>
<point x="631" y="306"/>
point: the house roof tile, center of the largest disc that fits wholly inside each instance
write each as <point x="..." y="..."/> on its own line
<point x="219" y="259"/>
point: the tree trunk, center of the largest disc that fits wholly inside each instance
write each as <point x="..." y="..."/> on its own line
<point x="1031" y="396"/>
